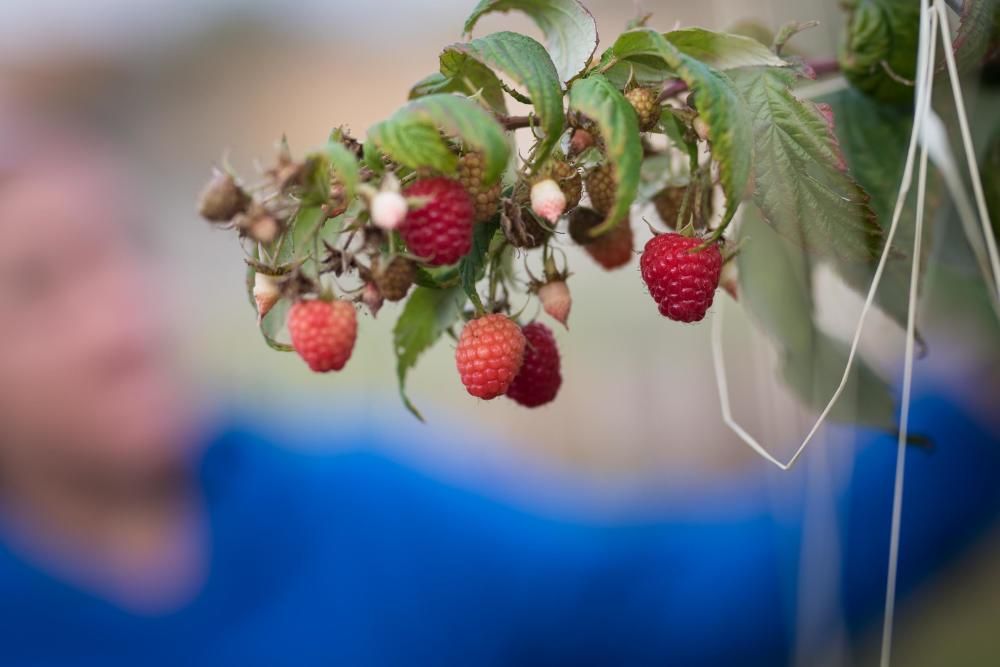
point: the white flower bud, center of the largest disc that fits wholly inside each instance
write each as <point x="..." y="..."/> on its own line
<point x="548" y="199"/>
<point x="388" y="209"/>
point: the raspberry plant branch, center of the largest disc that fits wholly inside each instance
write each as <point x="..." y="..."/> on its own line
<point x="430" y="208"/>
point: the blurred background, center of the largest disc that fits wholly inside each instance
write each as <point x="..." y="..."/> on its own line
<point x="178" y="83"/>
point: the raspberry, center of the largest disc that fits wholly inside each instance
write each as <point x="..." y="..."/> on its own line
<point x="470" y="175"/>
<point x="647" y="107"/>
<point x="668" y="202"/>
<point x="372" y="298"/>
<point x="266" y="293"/>
<point x="222" y="199"/>
<point x="580" y="141"/>
<point x="556" y="300"/>
<point x="395" y="279"/>
<point x="323" y="333"/>
<point x="601" y="188"/>
<point x="547" y="200"/>
<point x="388" y="209"/>
<point x="682" y="282"/>
<point x="489" y="355"/>
<point x="568" y="178"/>
<point x="539" y="379"/>
<point x="611" y="250"/>
<point x="440" y="230"/>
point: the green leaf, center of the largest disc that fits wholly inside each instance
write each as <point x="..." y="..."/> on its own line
<point x="344" y="165"/>
<point x="979" y="24"/>
<point x="459" y="74"/>
<point x="802" y="183"/>
<point x="428" y="313"/>
<point x="775" y="287"/>
<point x="600" y="101"/>
<point x="630" y="58"/>
<point x="722" y="50"/>
<point x="412" y="136"/>
<point x="527" y="64"/>
<point x="861" y="123"/>
<point x="718" y="101"/>
<point x="878" y="51"/>
<point x="570" y="30"/>
<point x="304" y="228"/>
<point x="472" y="267"/>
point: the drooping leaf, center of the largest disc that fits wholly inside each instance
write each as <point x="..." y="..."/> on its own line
<point x="459" y="74"/>
<point x="718" y="102"/>
<point x="722" y="50"/>
<point x="861" y="123"/>
<point x="776" y="289"/>
<point x="428" y="313"/>
<point x="600" y="101"/>
<point x="878" y="51"/>
<point x="472" y="267"/>
<point x="570" y="30"/>
<point x="412" y="136"/>
<point x="801" y="180"/>
<point x="527" y="64"/>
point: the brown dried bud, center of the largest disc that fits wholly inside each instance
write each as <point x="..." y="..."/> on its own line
<point x="521" y="227"/>
<point x="222" y="199"/>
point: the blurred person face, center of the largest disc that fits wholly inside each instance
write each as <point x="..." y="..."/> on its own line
<point x="85" y="386"/>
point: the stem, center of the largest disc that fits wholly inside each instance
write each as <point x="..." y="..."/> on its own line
<point x="515" y="122"/>
<point x="824" y="66"/>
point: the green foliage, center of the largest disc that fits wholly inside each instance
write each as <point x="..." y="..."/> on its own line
<point x="600" y="101"/>
<point x="569" y="29"/>
<point x="776" y="287"/>
<point x="526" y="62"/>
<point x="344" y="166"/>
<point x="878" y="52"/>
<point x="802" y="183"/>
<point x="459" y="74"/>
<point x="427" y="315"/>
<point x="862" y="123"/>
<point x="823" y="191"/>
<point x="472" y="268"/>
<point x="721" y="50"/>
<point x="412" y="136"/>
<point x="717" y="101"/>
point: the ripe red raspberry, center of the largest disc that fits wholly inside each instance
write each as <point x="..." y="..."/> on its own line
<point x="682" y="282"/>
<point x="539" y="379"/>
<point x="323" y="333"/>
<point x="440" y="231"/>
<point x="489" y="355"/>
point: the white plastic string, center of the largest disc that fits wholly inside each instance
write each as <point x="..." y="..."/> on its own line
<point x="969" y="149"/>
<point x="923" y="88"/>
<point x="925" y="65"/>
